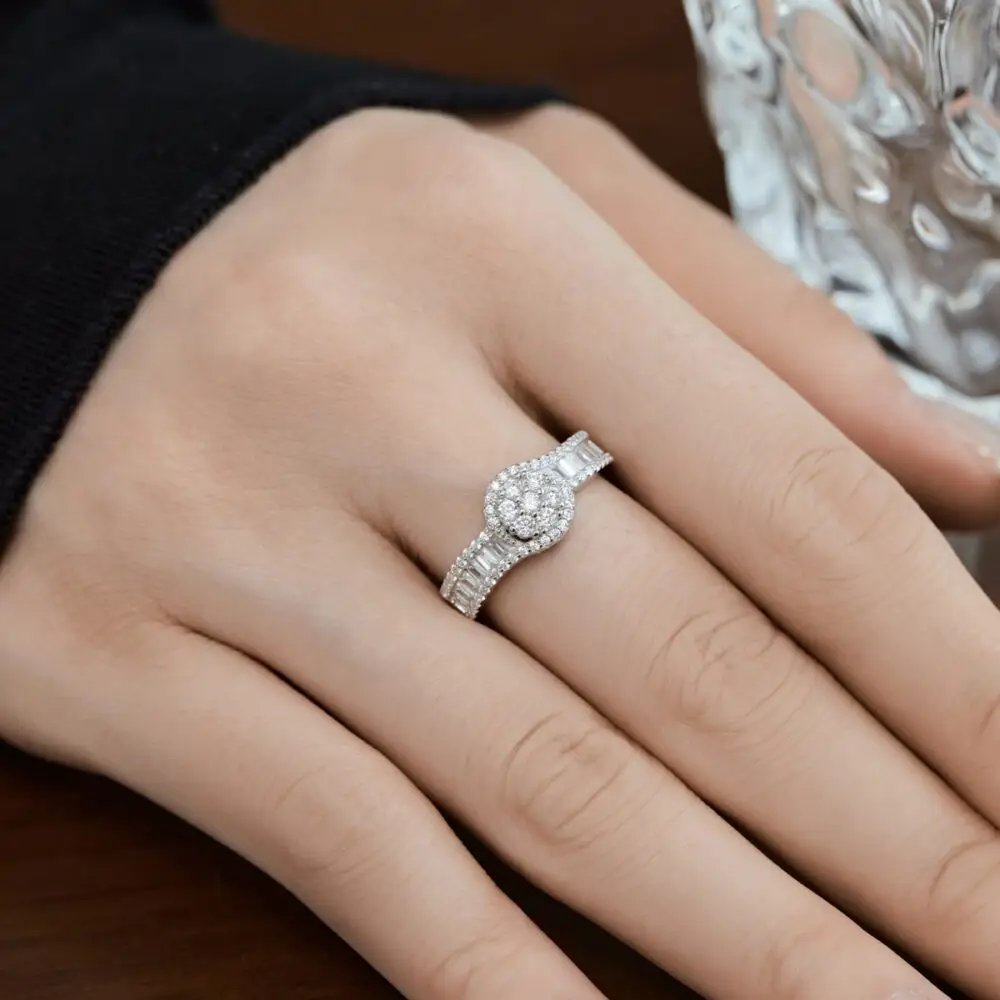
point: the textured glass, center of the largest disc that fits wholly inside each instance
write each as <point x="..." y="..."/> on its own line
<point x="862" y="140"/>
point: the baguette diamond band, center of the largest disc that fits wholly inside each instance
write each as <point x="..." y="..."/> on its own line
<point x="528" y="508"/>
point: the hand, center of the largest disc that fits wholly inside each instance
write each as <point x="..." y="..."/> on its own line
<point x="223" y="592"/>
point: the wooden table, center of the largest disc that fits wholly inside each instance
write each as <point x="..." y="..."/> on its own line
<point x="105" y="897"/>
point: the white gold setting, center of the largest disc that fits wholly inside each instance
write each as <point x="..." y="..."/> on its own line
<point x="528" y="508"/>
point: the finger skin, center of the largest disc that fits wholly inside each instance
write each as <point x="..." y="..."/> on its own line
<point x="220" y="741"/>
<point x="949" y="465"/>
<point x="556" y="790"/>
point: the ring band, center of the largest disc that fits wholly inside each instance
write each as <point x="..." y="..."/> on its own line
<point x="528" y="508"/>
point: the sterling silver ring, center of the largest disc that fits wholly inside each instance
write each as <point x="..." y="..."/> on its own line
<point x="528" y="508"/>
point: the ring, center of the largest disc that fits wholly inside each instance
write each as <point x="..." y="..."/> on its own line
<point x="528" y="508"/>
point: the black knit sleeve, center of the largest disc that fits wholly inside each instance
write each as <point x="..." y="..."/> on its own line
<point x="125" y="126"/>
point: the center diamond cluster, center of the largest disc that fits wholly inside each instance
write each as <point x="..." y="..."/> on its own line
<point x="531" y="502"/>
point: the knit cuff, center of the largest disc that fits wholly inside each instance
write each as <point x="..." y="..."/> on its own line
<point x="118" y="143"/>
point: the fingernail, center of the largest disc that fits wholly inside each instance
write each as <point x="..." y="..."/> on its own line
<point x="974" y="433"/>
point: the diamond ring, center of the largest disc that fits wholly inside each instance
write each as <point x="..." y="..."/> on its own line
<point x="528" y="508"/>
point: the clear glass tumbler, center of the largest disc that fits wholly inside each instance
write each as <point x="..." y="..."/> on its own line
<point x="862" y="146"/>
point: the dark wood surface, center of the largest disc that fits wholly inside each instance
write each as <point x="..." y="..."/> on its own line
<point x="630" y="60"/>
<point x="105" y="897"/>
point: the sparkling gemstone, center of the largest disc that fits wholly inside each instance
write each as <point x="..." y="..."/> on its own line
<point x="569" y="465"/>
<point x="546" y="518"/>
<point x="524" y="526"/>
<point x="530" y="502"/>
<point x="487" y="560"/>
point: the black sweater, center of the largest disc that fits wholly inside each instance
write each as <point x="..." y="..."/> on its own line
<point x="125" y="126"/>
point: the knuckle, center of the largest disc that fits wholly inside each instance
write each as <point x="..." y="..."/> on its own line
<point x="373" y="146"/>
<point x="435" y="197"/>
<point x="836" y="501"/>
<point x="571" y="122"/>
<point x="567" y="781"/>
<point x="455" y="173"/>
<point x="481" y="193"/>
<point x="724" y="671"/>
<point x="579" y="145"/>
<point x="963" y="883"/>
<point x="326" y="824"/>
<point x="473" y="965"/>
<point x="794" y="961"/>
<point x="373" y="124"/>
<point x="584" y="120"/>
<point x="373" y="135"/>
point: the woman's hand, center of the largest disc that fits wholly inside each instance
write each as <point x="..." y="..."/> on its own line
<point x="223" y="592"/>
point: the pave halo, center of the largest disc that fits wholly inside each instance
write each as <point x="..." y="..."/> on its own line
<point x="528" y="508"/>
<point x="532" y="504"/>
